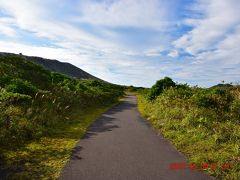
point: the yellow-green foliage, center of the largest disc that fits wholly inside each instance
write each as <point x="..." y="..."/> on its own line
<point x="202" y="123"/>
<point x="49" y="104"/>
<point x="44" y="158"/>
<point x="43" y="114"/>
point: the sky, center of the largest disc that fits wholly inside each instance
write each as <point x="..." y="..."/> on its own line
<point x="130" y="42"/>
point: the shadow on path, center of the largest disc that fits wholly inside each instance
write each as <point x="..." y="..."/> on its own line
<point x="102" y="124"/>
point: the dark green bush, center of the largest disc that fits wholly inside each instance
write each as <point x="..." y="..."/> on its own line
<point x="213" y="98"/>
<point x="4" y="80"/>
<point x="134" y="89"/>
<point x="68" y="84"/>
<point x="81" y="87"/>
<point x="21" y="86"/>
<point x="9" y="97"/>
<point x="94" y="83"/>
<point x="57" y="77"/>
<point x="178" y="93"/>
<point x="159" y="86"/>
<point x="235" y="110"/>
<point x="18" y="67"/>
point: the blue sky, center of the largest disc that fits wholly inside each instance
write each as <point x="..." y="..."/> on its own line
<point x="132" y="42"/>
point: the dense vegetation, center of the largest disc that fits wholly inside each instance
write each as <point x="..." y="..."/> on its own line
<point x="39" y="109"/>
<point x="203" y="123"/>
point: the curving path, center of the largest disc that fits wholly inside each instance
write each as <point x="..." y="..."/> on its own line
<point x="120" y="145"/>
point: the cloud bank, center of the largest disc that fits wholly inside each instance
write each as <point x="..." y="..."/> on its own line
<point x="130" y="42"/>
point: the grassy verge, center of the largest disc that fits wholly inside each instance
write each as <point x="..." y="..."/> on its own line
<point x="202" y="134"/>
<point x="44" y="158"/>
<point x="42" y="116"/>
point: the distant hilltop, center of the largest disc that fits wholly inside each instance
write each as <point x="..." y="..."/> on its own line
<point x="57" y="66"/>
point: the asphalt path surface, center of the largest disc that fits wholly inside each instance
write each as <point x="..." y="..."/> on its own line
<point x="121" y="145"/>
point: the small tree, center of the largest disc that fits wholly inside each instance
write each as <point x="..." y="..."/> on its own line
<point x="159" y="86"/>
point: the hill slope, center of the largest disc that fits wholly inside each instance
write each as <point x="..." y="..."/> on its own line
<point x="57" y="66"/>
<point x="42" y="116"/>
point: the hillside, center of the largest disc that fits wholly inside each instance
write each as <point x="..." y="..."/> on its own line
<point x="57" y="66"/>
<point x="42" y="116"/>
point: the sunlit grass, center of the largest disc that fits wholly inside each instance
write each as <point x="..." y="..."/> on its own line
<point x="44" y="158"/>
<point x="42" y="116"/>
<point x="202" y="135"/>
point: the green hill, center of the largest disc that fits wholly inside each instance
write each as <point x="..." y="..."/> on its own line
<point x="42" y="116"/>
<point x="56" y="66"/>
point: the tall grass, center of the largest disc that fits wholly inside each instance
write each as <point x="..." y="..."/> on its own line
<point x="202" y="123"/>
<point x="36" y="106"/>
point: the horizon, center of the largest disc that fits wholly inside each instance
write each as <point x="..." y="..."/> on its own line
<point x="130" y="42"/>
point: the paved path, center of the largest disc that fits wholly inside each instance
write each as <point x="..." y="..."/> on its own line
<point x="120" y="145"/>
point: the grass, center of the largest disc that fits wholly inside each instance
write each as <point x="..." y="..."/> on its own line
<point x="201" y="123"/>
<point x="45" y="158"/>
<point x="198" y="143"/>
<point x="42" y="116"/>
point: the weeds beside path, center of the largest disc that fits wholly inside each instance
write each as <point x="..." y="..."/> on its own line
<point x="206" y="138"/>
<point x="42" y="116"/>
<point x="44" y="158"/>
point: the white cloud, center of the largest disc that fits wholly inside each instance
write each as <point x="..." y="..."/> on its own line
<point x="115" y="68"/>
<point x="6" y="27"/>
<point x="217" y="19"/>
<point x="214" y="42"/>
<point x="48" y="52"/>
<point x="153" y="52"/>
<point x="35" y="17"/>
<point x="173" y="54"/>
<point x="94" y="54"/>
<point x="132" y="58"/>
<point x="128" y="13"/>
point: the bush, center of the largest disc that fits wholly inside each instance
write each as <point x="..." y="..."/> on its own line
<point x="5" y="79"/>
<point x="68" y="84"/>
<point x="12" y="98"/>
<point x="159" y="86"/>
<point x="202" y="123"/>
<point x="235" y="109"/>
<point x="81" y="87"/>
<point x="21" y="86"/>
<point x="93" y="83"/>
<point x="58" y="78"/>
<point x="219" y="99"/>
<point x="178" y="92"/>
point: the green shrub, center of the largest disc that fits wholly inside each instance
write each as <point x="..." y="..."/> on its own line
<point x="21" y="86"/>
<point x="9" y="97"/>
<point x="201" y="123"/>
<point x="69" y="84"/>
<point x="4" y="80"/>
<point x="18" y="67"/>
<point x="159" y="86"/>
<point x="95" y="83"/>
<point x="178" y="92"/>
<point x="235" y="109"/>
<point x="81" y="87"/>
<point x="58" y="78"/>
<point x="220" y="99"/>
